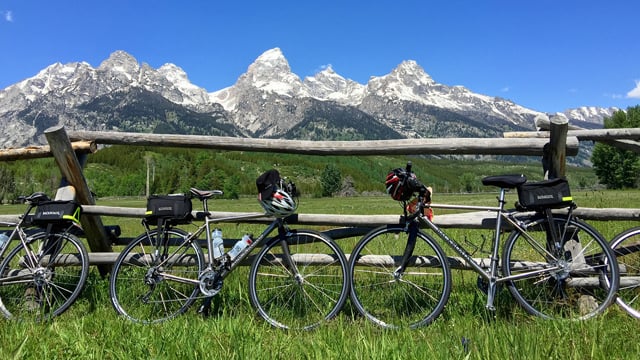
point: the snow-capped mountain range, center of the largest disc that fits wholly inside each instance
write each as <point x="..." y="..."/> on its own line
<point x="268" y="100"/>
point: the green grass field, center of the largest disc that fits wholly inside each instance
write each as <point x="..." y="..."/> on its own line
<point x="90" y="329"/>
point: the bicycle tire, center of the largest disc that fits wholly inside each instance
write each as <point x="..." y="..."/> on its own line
<point x="626" y="247"/>
<point x="302" y="298"/>
<point x="32" y="287"/>
<point x="412" y="299"/>
<point x="578" y="281"/>
<point x="138" y="288"/>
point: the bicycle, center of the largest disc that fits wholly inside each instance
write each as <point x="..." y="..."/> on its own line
<point x="626" y="247"/>
<point x="555" y="265"/>
<point x="43" y="275"/>
<point x="296" y="281"/>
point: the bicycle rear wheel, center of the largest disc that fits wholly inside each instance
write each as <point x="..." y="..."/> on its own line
<point x="305" y="292"/>
<point x="626" y="247"/>
<point x="576" y="279"/>
<point x="390" y="296"/>
<point x="142" y="287"/>
<point x="40" y="281"/>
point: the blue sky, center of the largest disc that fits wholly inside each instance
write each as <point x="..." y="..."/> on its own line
<point x="548" y="55"/>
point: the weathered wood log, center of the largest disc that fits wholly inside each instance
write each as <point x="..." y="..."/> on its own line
<point x="625" y="139"/>
<point x="35" y="152"/>
<point x="466" y="220"/>
<point x="441" y="146"/>
<point x="557" y="148"/>
<point x="543" y="122"/>
<point x="630" y="145"/>
<point x="71" y="170"/>
<point x="584" y="135"/>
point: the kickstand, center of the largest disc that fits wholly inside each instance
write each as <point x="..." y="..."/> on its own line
<point x="205" y="308"/>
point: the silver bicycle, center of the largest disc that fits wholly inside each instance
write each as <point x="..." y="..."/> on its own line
<point x="555" y="265"/>
<point x="45" y="271"/>
<point x="626" y="246"/>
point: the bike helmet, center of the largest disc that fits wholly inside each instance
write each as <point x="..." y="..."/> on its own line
<point x="401" y="185"/>
<point x="275" y="195"/>
<point x="396" y="185"/>
<point x="280" y="204"/>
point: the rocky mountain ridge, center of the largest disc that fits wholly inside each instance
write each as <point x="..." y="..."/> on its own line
<point x="268" y="100"/>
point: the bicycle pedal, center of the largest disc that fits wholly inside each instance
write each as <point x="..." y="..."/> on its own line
<point x="204" y="311"/>
<point x="483" y="284"/>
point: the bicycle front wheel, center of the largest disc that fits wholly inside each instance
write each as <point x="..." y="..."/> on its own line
<point x="574" y="278"/>
<point x="152" y="283"/>
<point x="42" y="279"/>
<point x="626" y="247"/>
<point x="393" y="294"/>
<point x="299" y="282"/>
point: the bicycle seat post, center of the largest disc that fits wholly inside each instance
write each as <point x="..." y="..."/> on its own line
<point x="205" y="205"/>
<point x="495" y="258"/>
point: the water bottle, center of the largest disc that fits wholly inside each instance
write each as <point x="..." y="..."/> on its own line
<point x="239" y="246"/>
<point x="218" y="243"/>
<point x="3" y="239"/>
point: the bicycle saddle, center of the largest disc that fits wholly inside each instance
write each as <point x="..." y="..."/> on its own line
<point x="505" y="181"/>
<point x="205" y="194"/>
<point x="37" y="197"/>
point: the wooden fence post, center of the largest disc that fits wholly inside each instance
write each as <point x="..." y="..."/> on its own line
<point x="558" y="146"/>
<point x="71" y="170"/>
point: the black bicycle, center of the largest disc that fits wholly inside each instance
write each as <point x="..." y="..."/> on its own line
<point x="297" y="280"/>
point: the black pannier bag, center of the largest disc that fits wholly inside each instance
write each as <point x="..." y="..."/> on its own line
<point x="552" y="193"/>
<point x="57" y="212"/>
<point x="175" y="207"/>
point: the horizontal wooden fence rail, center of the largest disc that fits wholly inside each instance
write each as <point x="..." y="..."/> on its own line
<point x="583" y="135"/>
<point x="42" y="151"/>
<point x="430" y="146"/>
<point x="464" y="220"/>
<point x="626" y="139"/>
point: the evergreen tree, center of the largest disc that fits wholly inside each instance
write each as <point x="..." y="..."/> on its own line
<point x="331" y="180"/>
<point x="617" y="168"/>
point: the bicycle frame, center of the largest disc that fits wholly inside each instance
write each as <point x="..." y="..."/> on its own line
<point x="222" y="265"/>
<point x="491" y="274"/>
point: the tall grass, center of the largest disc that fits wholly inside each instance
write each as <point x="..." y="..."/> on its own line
<point x="90" y="329"/>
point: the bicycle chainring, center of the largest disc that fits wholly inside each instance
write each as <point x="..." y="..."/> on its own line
<point x="210" y="283"/>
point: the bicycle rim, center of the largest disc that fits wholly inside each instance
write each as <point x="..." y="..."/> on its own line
<point x="576" y="280"/>
<point x="301" y="295"/>
<point x="411" y="298"/>
<point x="626" y="247"/>
<point x="42" y="280"/>
<point x="139" y="287"/>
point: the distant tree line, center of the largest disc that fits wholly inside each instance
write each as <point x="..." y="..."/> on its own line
<point x="139" y="170"/>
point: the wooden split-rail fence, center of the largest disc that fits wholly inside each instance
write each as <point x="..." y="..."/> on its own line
<point x="69" y="149"/>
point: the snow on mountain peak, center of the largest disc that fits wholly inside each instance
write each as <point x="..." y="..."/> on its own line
<point x="408" y="81"/>
<point x="270" y="72"/>
<point x="176" y="75"/>
<point x="409" y="70"/>
<point x="120" y="61"/>
<point x="328" y="85"/>
<point x="273" y="56"/>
